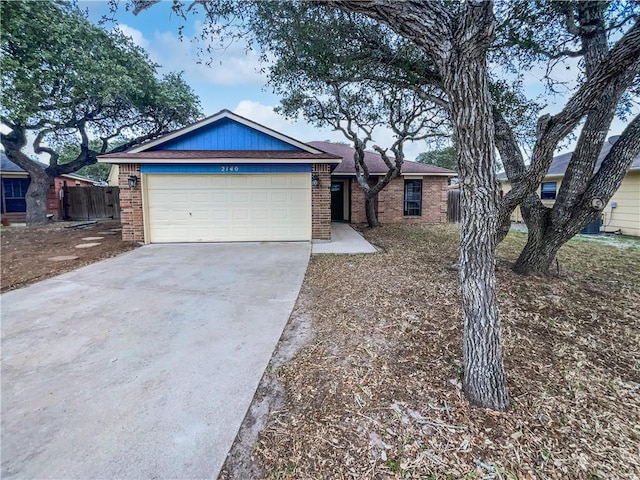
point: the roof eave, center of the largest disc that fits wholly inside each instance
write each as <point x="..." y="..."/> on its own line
<point x="121" y="160"/>
<point x="421" y="174"/>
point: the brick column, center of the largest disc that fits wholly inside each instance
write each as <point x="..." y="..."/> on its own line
<point x="321" y="203"/>
<point x="131" y="204"/>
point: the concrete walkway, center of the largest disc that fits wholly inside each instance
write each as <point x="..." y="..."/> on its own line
<point x="344" y="240"/>
<point x="144" y="365"/>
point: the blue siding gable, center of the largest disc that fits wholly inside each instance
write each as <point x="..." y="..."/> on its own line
<point x="226" y="134"/>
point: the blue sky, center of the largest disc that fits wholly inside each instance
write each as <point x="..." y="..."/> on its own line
<point x="234" y="81"/>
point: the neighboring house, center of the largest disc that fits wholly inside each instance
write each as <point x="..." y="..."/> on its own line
<point x="622" y="213"/>
<point x="112" y="179"/>
<point x="224" y="178"/>
<point x="418" y="195"/>
<point x="14" y="182"/>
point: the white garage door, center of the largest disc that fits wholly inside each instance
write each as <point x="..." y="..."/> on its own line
<point x="228" y="208"/>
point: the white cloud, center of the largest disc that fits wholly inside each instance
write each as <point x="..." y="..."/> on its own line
<point x="231" y="66"/>
<point x="134" y="34"/>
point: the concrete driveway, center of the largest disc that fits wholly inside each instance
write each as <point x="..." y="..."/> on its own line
<point x="144" y="365"/>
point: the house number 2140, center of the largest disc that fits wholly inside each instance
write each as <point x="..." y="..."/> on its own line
<point x="225" y="168"/>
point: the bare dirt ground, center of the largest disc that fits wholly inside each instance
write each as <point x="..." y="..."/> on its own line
<point x="373" y="390"/>
<point x="26" y="251"/>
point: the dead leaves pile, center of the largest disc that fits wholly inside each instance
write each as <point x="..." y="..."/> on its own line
<point x="376" y="394"/>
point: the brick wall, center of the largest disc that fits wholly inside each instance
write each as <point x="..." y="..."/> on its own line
<point x="391" y="202"/>
<point x="131" y="204"/>
<point x="321" y="204"/>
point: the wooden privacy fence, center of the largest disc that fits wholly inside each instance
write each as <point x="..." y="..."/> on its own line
<point x="453" y="206"/>
<point x="91" y="203"/>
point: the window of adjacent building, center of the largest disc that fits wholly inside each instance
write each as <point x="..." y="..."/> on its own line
<point x="412" y="198"/>
<point x="14" y="191"/>
<point x="548" y="190"/>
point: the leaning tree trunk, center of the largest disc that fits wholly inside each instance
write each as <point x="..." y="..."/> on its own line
<point x="370" y="209"/>
<point x="466" y="82"/>
<point x="37" y="198"/>
<point x="547" y="234"/>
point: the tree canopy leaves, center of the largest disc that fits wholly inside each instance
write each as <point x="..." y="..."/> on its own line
<point x="66" y="78"/>
<point x="68" y="82"/>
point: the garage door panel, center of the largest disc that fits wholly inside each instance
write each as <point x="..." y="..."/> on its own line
<point x="220" y="208"/>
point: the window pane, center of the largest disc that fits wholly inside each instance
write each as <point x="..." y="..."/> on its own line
<point x="15" y="187"/>
<point x="548" y="190"/>
<point x="413" y="198"/>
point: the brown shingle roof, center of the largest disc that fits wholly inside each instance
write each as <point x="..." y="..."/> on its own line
<point x="560" y="163"/>
<point x="374" y="162"/>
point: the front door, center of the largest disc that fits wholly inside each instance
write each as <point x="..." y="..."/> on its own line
<point x="337" y="201"/>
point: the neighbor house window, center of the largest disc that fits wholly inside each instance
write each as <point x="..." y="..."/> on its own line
<point x="412" y="198"/>
<point x="14" y="191"/>
<point x="548" y="190"/>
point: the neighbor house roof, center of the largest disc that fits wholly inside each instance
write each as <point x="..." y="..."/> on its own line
<point x="375" y="163"/>
<point x="560" y="163"/>
<point x="7" y="166"/>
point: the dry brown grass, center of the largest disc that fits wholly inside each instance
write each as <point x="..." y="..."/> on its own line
<point x="376" y="393"/>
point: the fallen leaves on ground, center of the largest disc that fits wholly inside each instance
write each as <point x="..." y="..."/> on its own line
<point x="376" y="394"/>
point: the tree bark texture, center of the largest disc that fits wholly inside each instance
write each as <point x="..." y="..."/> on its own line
<point x="37" y="198"/>
<point x="370" y="209"/>
<point x="370" y="188"/>
<point x="580" y="200"/>
<point x="466" y="82"/>
<point x="458" y="47"/>
<point x="609" y="73"/>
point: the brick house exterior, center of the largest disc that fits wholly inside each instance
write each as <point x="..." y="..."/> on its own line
<point x="224" y="178"/>
<point x="321" y="204"/>
<point x="430" y="184"/>
<point x="131" y="215"/>
<point x="391" y="199"/>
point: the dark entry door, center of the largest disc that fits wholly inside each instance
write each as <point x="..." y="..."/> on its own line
<point x="337" y="201"/>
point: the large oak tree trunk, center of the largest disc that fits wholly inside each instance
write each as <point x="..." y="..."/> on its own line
<point x="37" y="197"/>
<point x="466" y="82"/>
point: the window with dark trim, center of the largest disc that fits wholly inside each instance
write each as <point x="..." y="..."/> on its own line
<point x="412" y="198"/>
<point x="548" y="190"/>
<point x="14" y="191"/>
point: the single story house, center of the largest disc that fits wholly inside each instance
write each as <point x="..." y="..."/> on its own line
<point x="224" y="178"/>
<point x="622" y="213"/>
<point x="227" y="178"/>
<point x="418" y="195"/>
<point x="14" y="182"/>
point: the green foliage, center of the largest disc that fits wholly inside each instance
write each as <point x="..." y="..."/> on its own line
<point x="442" y="157"/>
<point x="357" y="79"/>
<point x="95" y="171"/>
<point x="68" y="80"/>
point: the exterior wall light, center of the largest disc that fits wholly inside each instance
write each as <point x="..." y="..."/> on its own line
<point x="315" y="180"/>
<point x="133" y="180"/>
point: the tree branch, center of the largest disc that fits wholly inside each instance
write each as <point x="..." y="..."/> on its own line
<point x="615" y="165"/>
<point x="432" y="19"/>
<point x="37" y="148"/>
<point x="616" y="65"/>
